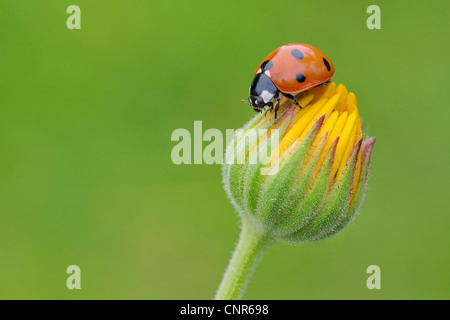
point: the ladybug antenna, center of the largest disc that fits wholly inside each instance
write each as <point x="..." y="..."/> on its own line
<point x="246" y="101"/>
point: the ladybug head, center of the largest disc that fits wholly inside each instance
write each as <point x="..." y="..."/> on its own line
<point x="257" y="103"/>
<point x="262" y="91"/>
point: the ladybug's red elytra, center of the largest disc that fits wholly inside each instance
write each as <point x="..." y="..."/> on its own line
<point x="288" y="70"/>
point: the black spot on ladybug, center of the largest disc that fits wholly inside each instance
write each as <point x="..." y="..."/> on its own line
<point x="266" y="65"/>
<point x="327" y="64"/>
<point x="297" y="54"/>
<point x="300" y="77"/>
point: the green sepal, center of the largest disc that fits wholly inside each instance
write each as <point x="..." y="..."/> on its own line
<point x="277" y="186"/>
<point x="307" y="207"/>
<point x="253" y="179"/>
<point x="236" y="166"/>
<point x="360" y="193"/>
<point x="334" y="207"/>
<point x="231" y="172"/>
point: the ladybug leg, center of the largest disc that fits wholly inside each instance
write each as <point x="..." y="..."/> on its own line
<point x="277" y="98"/>
<point x="270" y="104"/>
<point x="323" y="84"/>
<point x="292" y="98"/>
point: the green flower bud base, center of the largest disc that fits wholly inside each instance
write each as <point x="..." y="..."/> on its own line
<point x="316" y="190"/>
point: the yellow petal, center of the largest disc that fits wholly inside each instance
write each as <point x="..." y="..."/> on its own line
<point x="337" y="129"/>
<point x="347" y="152"/>
<point x="344" y="138"/>
<point x="356" y="177"/>
<point x="303" y="119"/>
<point x="351" y="99"/>
<point x="325" y="110"/>
<point x="326" y="129"/>
<point x="341" y="105"/>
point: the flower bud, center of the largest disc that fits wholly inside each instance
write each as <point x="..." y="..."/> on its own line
<point x="310" y="183"/>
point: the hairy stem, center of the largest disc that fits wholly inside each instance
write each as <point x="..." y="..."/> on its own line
<point x="246" y="256"/>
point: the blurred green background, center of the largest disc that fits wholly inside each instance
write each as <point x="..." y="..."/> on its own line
<point x="86" y="118"/>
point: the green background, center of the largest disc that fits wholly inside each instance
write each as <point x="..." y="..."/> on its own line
<point x="86" y="118"/>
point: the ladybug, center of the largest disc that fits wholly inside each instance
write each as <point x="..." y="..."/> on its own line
<point x="289" y="69"/>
